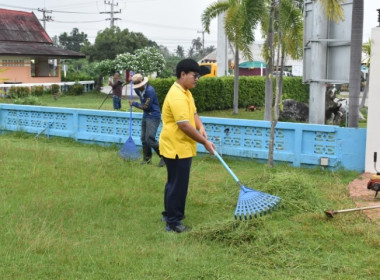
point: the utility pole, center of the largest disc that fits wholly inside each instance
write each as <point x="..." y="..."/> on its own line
<point x="112" y="12"/>
<point x="203" y="40"/>
<point x="45" y="18"/>
<point x="221" y="48"/>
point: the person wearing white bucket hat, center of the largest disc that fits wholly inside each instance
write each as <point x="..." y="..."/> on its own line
<point x="151" y="116"/>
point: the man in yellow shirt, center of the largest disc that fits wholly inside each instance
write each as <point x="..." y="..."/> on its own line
<point x="182" y="129"/>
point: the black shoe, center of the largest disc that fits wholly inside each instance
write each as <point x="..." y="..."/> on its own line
<point x="161" y="163"/>
<point x="177" y="228"/>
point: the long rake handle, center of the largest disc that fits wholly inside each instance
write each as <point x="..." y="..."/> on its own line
<point x="130" y="110"/>
<point x="226" y="166"/>
<point x="357" y="209"/>
<point x="108" y="94"/>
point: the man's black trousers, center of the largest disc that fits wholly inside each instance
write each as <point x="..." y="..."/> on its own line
<point x="176" y="189"/>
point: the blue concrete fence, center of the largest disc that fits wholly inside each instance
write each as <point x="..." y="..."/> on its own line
<point x="297" y="144"/>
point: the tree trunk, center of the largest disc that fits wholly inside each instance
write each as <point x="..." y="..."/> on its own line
<point x="236" y="82"/>
<point x="276" y="110"/>
<point x="269" y="69"/>
<point x="99" y="83"/>
<point x="356" y="53"/>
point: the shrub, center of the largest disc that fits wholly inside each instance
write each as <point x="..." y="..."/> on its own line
<point x="19" y="92"/>
<point x="217" y="93"/>
<point x="38" y="90"/>
<point x="76" y="89"/>
<point x="55" y="89"/>
<point x="74" y="76"/>
<point x="29" y="100"/>
<point x="293" y="88"/>
<point x="47" y="90"/>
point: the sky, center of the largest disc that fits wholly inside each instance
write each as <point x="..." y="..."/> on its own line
<point x="168" y="22"/>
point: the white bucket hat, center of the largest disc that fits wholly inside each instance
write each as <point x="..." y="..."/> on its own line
<point x="139" y="80"/>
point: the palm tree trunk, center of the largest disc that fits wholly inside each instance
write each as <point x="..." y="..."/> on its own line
<point x="236" y="82"/>
<point x="269" y="69"/>
<point x="356" y="53"/>
<point x="276" y="110"/>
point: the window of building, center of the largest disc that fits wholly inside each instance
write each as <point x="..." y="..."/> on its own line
<point x="12" y="63"/>
<point x="44" y="67"/>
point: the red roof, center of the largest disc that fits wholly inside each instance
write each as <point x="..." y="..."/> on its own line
<point x="21" y="27"/>
<point x="21" y="33"/>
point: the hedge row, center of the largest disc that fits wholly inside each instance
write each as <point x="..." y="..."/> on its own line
<point x="217" y="93"/>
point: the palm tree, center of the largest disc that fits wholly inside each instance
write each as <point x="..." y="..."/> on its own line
<point x="269" y="55"/>
<point x="286" y="18"/>
<point x="180" y="52"/>
<point x="291" y="39"/>
<point x="241" y="18"/>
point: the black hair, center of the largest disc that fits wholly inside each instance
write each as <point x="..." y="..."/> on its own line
<point x="187" y="65"/>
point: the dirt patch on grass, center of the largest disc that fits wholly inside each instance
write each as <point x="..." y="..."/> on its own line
<point x="364" y="197"/>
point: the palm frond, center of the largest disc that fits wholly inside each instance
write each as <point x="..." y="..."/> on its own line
<point x="333" y="9"/>
<point x="212" y="12"/>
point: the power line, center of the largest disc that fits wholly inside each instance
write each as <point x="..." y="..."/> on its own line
<point x="89" y="21"/>
<point x="54" y="11"/>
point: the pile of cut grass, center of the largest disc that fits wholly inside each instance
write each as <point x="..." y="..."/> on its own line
<point x="74" y="211"/>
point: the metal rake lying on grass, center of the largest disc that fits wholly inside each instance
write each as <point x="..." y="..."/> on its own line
<point x="251" y="202"/>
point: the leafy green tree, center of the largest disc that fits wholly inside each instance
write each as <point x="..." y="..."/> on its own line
<point x="104" y="68"/>
<point x="73" y="41"/>
<point x="113" y="41"/>
<point x="240" y="20"/>
<point x="169" y="70"/>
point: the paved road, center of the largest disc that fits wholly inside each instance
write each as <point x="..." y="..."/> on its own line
<point x="345" y="95"/>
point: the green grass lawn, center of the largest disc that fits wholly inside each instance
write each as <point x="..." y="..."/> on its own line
<point x="75" y="211"/>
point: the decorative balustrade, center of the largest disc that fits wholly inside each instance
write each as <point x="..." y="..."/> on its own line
<point x="297" y="144"/>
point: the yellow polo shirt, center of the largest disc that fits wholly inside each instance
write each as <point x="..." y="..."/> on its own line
<point x="178" y="107"/>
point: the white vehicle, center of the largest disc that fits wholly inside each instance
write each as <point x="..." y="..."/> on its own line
<point x="284" y="73"/>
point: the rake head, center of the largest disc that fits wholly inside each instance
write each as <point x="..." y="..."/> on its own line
<point x="129" y="150"/>
<point x="254" y="203"/>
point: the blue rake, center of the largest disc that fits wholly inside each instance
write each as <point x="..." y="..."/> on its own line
<point x="251" y="203"/>
<point x="129" y="149"/>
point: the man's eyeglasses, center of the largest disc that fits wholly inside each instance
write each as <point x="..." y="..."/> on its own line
<point x="195" y="76"/>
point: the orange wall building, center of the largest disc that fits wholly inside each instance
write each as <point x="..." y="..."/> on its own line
<point x="27" y="54"/>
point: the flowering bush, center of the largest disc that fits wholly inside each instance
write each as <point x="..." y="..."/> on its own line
<point x="146" y="61"/>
